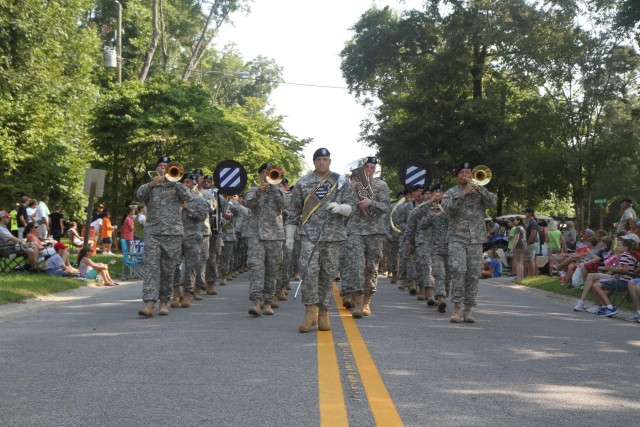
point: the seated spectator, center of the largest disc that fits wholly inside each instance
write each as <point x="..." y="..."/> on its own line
<point x="13" y="245"/>
<point x="45" y="249"/>
<point x="627" y="263"/>
<point x="590" y="262"/>
<point x="58" y="264"/>
<point x="89" y="269"/>
<point x="75" y="238"/>
<point x="570" y="236"/>
<point x="634" y="293"/>
<point x="492" y="267"/>
<point x="560" y="262"/>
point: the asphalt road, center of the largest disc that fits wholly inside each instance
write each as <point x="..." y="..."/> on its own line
<point x="86" y="358"/>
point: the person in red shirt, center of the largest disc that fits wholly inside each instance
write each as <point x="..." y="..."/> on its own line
<point x="129" y="226"/>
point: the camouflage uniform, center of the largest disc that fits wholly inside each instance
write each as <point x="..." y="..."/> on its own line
<point x="364" y="242"/>
<point x="421" y="238"/>
<point x="162" y="237"/>
<point x="215" y="240"/>
<point x="400" y="218"/>
<point x="325" y="228"/>
<point x="466" y="235"/>
<point x="391" y="245"/>
<point x="438" y="224"/>
<point x="266" y="235"/>
<point x="229" y="239"/>
<point x="241" y="244"/>
<point x="194" y="258"/>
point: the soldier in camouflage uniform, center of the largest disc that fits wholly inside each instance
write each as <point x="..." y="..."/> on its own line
<point x="229" y="239"/>
<point x="242" y="221"/>
<point x="366" y="229"/>
<point x="266" y="235"/>
<point x="215" y="240"/>
<point x="436" y="221"/>
<point x="465" y="205"/>
<point x="400" y="218"/>
<point x="193" y="215"/>
<point x="392" y="241"/>
<point x="320" y="202"/>
<point x="419" y="242"/>
<point x="162" y="237"/>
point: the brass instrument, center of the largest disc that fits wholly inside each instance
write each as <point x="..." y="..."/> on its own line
<point x="362" y="186"/>
<point x="393" y="226"/>
<point x="172" y="172"/>
<point x="274" y="174"/>
<point x="481" y="175"/>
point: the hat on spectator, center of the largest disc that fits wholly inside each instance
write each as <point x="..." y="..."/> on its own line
<point x="588" y="231"/>
<point x="59" y="245"/>
<point x="321" y="152"/>
<point x="163" y="159"/>
<point x="370" y="159"/>
<point x="631" y="236"/>
<point x="268" y="165"/>
<point x="17" y="204"/>
<point x="5" y="214"/>
<point x="463" y="165"/>
<point x="626" y="200"/>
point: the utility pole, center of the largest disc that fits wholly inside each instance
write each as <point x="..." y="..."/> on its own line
<point x="119" y="43"/>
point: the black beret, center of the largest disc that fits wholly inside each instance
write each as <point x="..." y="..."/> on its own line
<point x="197" y="172"/>
<point x="627" y="200"/>
<point x="370" y="159"/>
<point x="321" y="152"/>
<point x="463" y="165"/>
<point x="264" y="166"/>
<point x="208" y="178"/>
<point x="163" y="159"/>
<point x="438" y="186"/>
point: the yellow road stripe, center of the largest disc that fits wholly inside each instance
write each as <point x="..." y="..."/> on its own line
<point x="382" y="407"/>
<point x="333" y="410"/>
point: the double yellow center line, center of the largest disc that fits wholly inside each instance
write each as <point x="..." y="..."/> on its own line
<point x="333" y="410"/>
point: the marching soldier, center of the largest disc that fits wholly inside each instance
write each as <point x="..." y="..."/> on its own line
<point x="437" y="222"/>
<point x="366" y="229"/>
<point x="266" y="235"/>
<point x="229" y="239"/>
<point x="162" y="237"/>
<point x="400" y="217"/>
<point x="418" y="242"/>
<point x="215" y="240"/>
<point x="465" y="205"/>
<point x="319" y="205"/>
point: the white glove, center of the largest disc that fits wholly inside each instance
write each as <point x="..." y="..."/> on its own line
<point x="290" y="233"/>
<point x="336" y="208"/>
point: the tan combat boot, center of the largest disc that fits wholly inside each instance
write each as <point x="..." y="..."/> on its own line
<point x="366" y="304"/>
<point x="429" y="294"/>
<point x="223" y="281"/>
<point x="266" y="308"/>
<point x="394" y="278"/>
<point x="255" y="308"/>
<point x="323" y="320"/>
<point x="467" y="314"/>
<point x="296" y="276"/>
<point x="282" y="295"/>
<point x="196" y="293"/>
<point x="175" y="300"/>
<point x="412" y="287"/>
<point x="310" y="318"/>
<point x="274" y="303"/>
<point x="148" y="309"/>
<point x="186" y="300"/>
<point x="403" y="285"/>
<point x="421" y="293"/>
<point x="357" y="305"/>
<point x="164" y="308"/>
<point x="230" y="277"/>
<point x="211" y="289"/>
<point x="457" y="313"/>
<point x="442" y="305"/>
<point x="347" y="301"/>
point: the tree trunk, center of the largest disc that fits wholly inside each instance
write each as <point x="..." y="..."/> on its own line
<point x="154" y="43"/>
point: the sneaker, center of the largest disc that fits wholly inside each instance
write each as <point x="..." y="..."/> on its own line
<point x="594" y="309"/>
<point x="633" y="318"/>
<point x="580" y="306"/>
<point x="607" y="312"/>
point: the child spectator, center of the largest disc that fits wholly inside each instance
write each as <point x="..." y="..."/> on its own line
<point x="58" y="264"/>
<point x="75" y="238"/>
<point x="492" y="267"/>
<point x="128" y="227"/>
<point x="89" y="269"/>
<point x="106" y="233"/>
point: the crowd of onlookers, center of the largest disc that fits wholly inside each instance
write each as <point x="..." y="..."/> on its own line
<point x="35" y="232"/>
<point x="597" y="262"/>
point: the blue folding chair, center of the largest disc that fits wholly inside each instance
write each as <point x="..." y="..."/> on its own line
<point x="131" y="262"/>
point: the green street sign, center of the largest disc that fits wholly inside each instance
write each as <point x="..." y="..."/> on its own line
<point x="600" y="201"/>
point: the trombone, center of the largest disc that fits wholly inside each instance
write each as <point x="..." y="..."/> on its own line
<point x="274" y="174"/>
<point x="481" y="175"/>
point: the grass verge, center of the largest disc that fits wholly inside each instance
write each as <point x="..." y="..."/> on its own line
<point x="20" y="286"/>
<point x="552" y="284"/>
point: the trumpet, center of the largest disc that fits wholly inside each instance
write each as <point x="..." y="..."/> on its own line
<point x="274" y="174"/>
<point x="481" y="175"/>
<point x="172" y="172"/>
